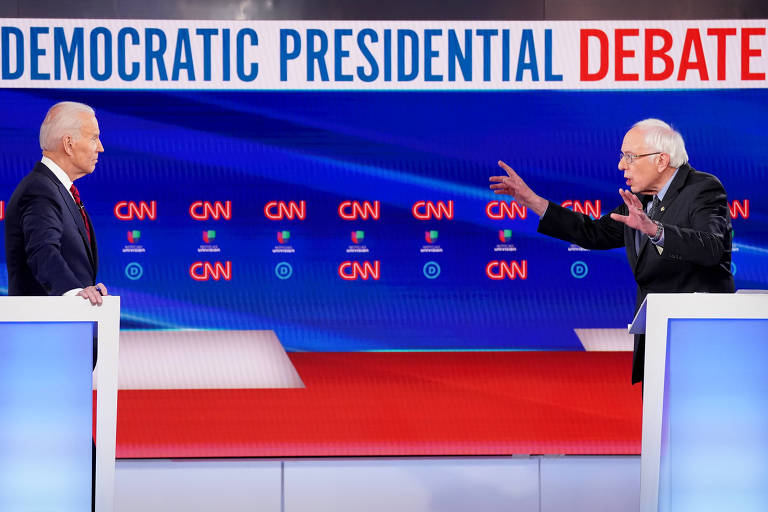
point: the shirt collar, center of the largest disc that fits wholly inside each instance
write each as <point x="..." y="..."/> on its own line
<point x="57" y="171"/>
<point x="664" y="189"/>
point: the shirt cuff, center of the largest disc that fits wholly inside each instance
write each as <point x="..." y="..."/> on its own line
<point x="74" y="291"/>
<point x="660" y="241"/>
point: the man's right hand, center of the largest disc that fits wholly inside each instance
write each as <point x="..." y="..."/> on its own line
<point x="94" y="293"/>
<point x="513" y="185"/>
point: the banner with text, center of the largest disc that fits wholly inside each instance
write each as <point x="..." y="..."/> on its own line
<point x="377" y="55"/>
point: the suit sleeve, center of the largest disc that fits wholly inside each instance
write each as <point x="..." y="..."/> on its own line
<point x="709" y="234"/>
<point x="42" y="225"/>
<point x="582" y="230"/>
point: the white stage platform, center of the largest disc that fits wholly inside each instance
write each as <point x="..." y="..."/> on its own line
<point x="487" y="484"/>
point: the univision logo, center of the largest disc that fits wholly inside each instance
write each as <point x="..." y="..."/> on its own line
<point x="505" y="237"/>
<point x="209" y="236"/>
<point x="358" y="236"/>
<point x="133" y="246"/>
<point x="430" y="236"/>
<point x="284" y="247"/>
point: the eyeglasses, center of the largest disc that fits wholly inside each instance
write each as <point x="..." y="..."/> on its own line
<point x="630" y="157"/>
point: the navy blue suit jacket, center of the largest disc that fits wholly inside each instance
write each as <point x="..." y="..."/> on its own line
<point x="46" y="244"/>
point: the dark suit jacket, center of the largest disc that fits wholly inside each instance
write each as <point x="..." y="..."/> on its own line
<point x="697" y="242"/>
<point x="46" y="245"/>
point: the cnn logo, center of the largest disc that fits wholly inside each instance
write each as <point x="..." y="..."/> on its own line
<point x="498" y="210"/>
<point x="353" y="210"/>
<point x="498" y="270"/>
<point x="205" y="210"/>
<point x="426" y="210"/>
<point x="130" y="210"/>
<point x="353" y="270"/>
<point x="590" y="208"/>
<point x="739" y="208"/>
<point x="205" y="271"/>
<point x="279" y="210"/>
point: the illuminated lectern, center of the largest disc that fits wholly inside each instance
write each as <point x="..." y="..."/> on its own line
<point x="705" y="406"/>
<point x="46" y="402"/>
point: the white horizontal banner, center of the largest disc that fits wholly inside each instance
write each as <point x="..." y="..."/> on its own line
<point x="383" y="55"/>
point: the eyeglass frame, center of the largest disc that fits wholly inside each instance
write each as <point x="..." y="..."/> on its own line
<point x="631" y="157"/>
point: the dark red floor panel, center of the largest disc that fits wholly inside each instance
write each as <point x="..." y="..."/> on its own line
<point x="412" y="403"/>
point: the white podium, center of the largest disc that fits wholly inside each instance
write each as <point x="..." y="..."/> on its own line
<point x="46" y="358"/>
<point x="705" y="406"/>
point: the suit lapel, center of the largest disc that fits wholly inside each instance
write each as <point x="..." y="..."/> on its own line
<point x="674" y="190"/>
<point x="639" y="240"/>
<point x="644" y="242"/>
<point x="629" y="242"/>
<point x="94" y="250"/>
<point x="75" y="212"/>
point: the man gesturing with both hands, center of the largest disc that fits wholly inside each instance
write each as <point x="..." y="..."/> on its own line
<point x="673" y="221"/>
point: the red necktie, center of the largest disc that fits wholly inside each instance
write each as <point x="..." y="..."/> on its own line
<point x="79" y="204"/>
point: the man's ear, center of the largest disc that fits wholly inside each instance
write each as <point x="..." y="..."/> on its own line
<point x="66" y="141"/>
<point x="663" y="162"/>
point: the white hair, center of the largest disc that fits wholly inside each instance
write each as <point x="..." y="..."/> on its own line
<point x="61" y="120"/>
<point x="665" y="139"/>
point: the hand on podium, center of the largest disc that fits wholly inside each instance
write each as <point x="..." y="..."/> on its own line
<point x="94" y="293"/>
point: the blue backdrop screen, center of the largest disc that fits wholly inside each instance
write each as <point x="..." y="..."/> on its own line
<point x="187" y="199"/>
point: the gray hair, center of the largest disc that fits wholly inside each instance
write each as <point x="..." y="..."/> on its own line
<point x="61" y="120"/>
<point x="662" y="137"/>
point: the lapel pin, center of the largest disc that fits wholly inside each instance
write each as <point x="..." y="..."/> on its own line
<point x="662" y="208"/>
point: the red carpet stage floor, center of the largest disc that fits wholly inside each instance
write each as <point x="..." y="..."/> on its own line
<point x="405" y="403"/>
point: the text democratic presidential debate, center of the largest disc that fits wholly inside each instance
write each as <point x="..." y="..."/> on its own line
<point x="382" y="55"/>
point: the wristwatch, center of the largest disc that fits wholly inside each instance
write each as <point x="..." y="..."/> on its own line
<point x="659" y="231"/>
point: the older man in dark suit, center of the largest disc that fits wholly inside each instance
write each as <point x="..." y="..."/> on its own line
<point x="50" y="243"/>
<point x="49" y="239"/>
<point x="674" y="220"/>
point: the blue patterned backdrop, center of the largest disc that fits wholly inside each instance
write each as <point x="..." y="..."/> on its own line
<point x="251" y="148"/>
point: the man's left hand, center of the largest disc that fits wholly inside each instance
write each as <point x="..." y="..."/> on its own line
<point x="637" y="219"/>
<point x="94" y="293"/>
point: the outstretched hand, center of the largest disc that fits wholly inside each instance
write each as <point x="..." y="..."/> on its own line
<point x="513" y="185"/>
<point x="637" y="218"/>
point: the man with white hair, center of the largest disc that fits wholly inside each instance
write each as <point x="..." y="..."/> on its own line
<point x="674" y="220"/>
<point x="49" y="239"/>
